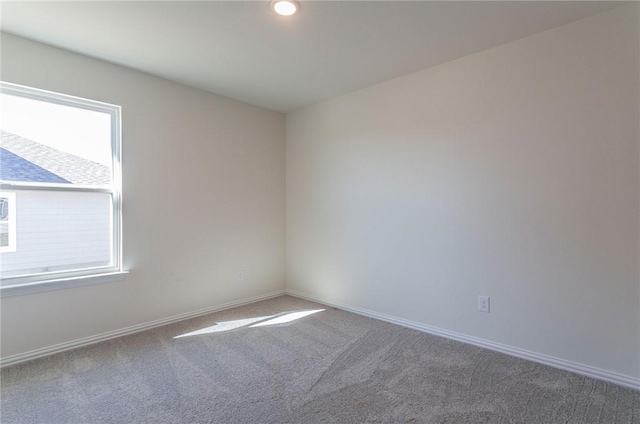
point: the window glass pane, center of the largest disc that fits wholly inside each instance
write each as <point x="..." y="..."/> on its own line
<point x="4" y="234"/>
<point x="7" y="222"/>
<point x="44" y="142"/>
<point x="59" y="231"/>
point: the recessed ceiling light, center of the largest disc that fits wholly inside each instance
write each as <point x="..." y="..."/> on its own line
<point x="285" y="7"/>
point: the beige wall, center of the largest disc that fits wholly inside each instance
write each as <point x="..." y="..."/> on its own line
<point x="511" y="173"/>
<point x="203" y="198"/>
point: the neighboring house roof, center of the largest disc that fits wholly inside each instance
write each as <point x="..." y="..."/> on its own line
<point x="22" y="159"/>
<point x="16" y="168"/>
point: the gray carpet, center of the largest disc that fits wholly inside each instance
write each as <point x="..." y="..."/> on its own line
<point x="327" y="367"/>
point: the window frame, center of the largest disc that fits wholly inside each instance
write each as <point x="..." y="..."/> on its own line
<point x="62" y="279"/>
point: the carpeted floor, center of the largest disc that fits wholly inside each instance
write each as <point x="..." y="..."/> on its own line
<point x="286" y="360"/>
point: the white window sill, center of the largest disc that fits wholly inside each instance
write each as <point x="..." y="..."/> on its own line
<point x="62" y="283"/>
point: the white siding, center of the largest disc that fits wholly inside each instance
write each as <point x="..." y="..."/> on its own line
<point x="58" y="230"/>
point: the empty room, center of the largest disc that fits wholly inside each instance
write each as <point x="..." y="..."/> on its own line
<point x="319" y="212"/>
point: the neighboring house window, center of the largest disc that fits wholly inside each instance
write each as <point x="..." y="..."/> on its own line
<point x="7" y="222"/>
<point x="60" y="200"/>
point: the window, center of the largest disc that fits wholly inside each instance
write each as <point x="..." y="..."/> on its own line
<point x="60" y="187"/>
<point x="7" y="222"/>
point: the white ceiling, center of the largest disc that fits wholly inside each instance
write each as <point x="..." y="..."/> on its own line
<point x="242" y="50"/>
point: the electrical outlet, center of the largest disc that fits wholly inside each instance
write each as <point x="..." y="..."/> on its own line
<point x="483" y="303"/>
<point x="240" y="276"/>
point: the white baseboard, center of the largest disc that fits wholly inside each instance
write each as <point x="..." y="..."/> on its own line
<point x="563" y="364"/>
<point x="38" y="353"/>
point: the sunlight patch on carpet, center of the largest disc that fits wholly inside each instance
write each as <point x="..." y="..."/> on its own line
<point x="264" y="321"/>
<point x="283" y="319"/>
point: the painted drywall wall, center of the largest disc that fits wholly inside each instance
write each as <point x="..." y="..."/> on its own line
<point x="511" y="173"/>
<point x="203" y="198"/>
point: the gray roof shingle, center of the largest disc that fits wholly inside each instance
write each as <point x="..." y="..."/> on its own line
<point x="27" y="160"/>
<point x="16" y="168"/>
